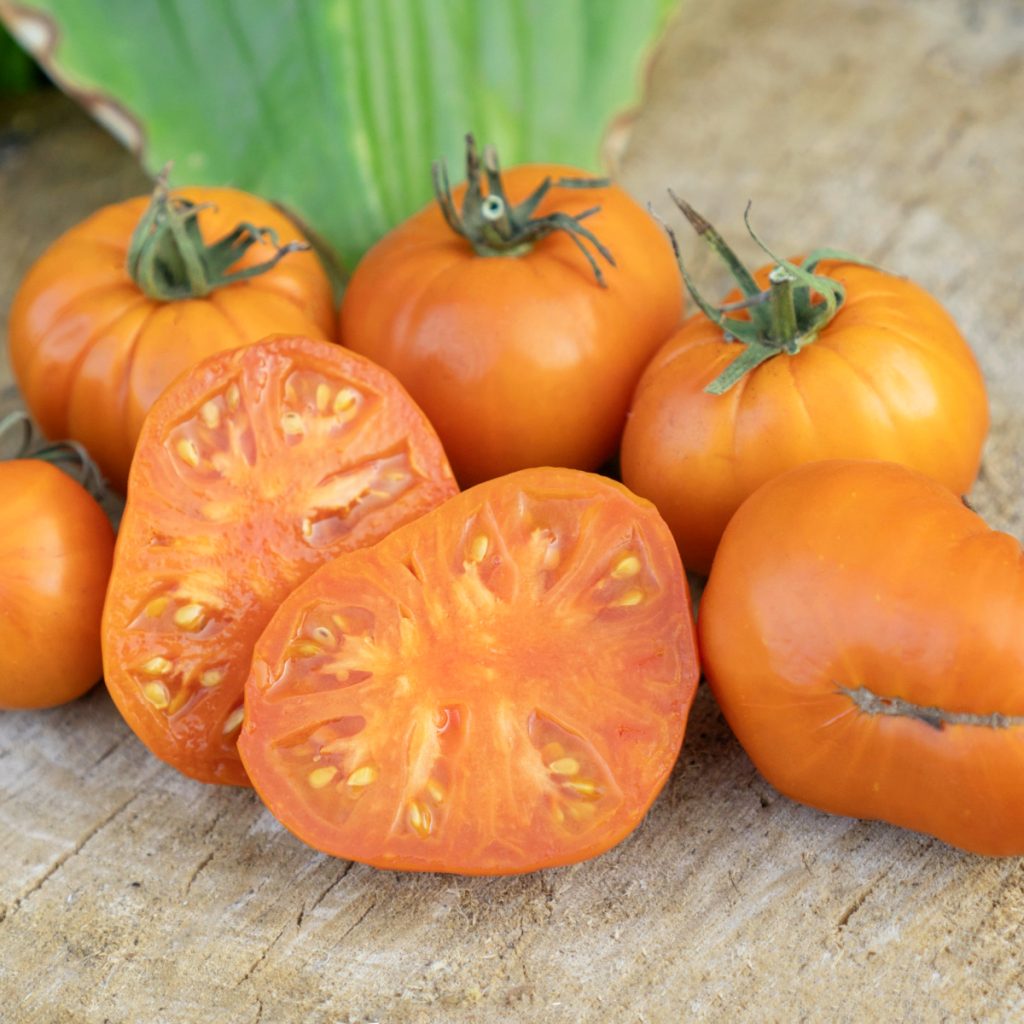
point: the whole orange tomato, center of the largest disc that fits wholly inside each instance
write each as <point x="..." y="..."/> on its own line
<point x="501" y="685"/>
<point x="861" y="630"/>
<point x="728" y="403"/>
<point x="500" y="323"/>
<point x="56" y="548"/>
<point x="121" y="304"/>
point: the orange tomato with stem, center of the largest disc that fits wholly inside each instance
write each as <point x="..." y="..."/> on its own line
<point x="861" y="631"/>
<point x="120" y="305"/>
<point x="808" y="360"/>
<point x="492" y="308"/>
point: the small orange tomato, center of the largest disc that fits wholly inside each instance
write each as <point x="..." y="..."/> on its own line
<point x="834" y="360"/>
<point x="56" y="548"/>
<point x="861" y="631"/>
<point x="498" y="320"/>
<point x="121" y="304"/>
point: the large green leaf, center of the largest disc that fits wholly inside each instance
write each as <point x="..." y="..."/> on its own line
<point x="336" y="108"/>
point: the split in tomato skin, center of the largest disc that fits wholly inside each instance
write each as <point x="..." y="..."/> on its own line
<point x="861" y="631"/>
<point x="56" y="547"/>
<point x="253" y="469"/>
<point x="498" y="687"/>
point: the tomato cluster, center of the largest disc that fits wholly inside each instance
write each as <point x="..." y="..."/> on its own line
<point x="498" y="680"/>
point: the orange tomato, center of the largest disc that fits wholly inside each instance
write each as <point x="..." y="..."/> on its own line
<point x="890" y="377"/>
<point x="522" y="358"/>
<point x="252" y="469"/>
<point x="500" y="686"/>
<point x="861" y="631"/>
<point x="91" y="350"/>
<point x="56" y="546"/>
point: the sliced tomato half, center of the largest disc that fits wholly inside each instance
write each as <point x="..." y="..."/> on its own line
<point x="252" y="470"/>
<point x="500" y="686"/>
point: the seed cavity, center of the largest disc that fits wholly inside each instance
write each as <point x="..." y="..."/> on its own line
<point x="420" y="818"/>
<point x="626" y="567"/>
<point x="156" y="666"/>
<point x="188" y="452"/>
<point x="478" y="548"/>
<point x="211" y="677"/>
<point x="362" y="777"/>
<point x="218" y="511"/>
<point x="209" y="413"/>
<point x="157" y="694"/>
<point x="324" y="636"/>
<point x="320" y="777"/>
<point x="234" y="720"/>
<point x="345" y="400"/>
<point x="190" y="616"/>
<point x="565" y="766"/>
<point x="292" y="424"/>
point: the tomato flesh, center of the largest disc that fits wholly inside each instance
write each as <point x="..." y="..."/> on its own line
<point x="500" y="686"/>
<point x="256" y="467"/>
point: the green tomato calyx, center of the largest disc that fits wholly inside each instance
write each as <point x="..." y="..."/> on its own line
<point x="168" y="258"/>
<point x="781" y="319"/>
<point x="495" y="227"/>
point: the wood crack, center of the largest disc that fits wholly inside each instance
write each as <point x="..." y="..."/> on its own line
<point x="77" y="848"/>
<point x="257" y="963"/>
<point x="859" y="900"/>
<point x="195" y="873"/>
<point x="304" y="910"/>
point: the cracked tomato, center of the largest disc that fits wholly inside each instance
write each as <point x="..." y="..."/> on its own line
<point x="56" y="545"/>
<point x="253" y="469"/>
<point x="500" y="686"/>
<point x="861" y="630"/>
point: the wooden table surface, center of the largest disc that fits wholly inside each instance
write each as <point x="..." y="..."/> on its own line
<point x="131" y="894"/>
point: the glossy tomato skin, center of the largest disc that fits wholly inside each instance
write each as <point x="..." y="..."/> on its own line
<point x="889" y="378"/>
<point x="861" y="631"/>
<point x="56" y="547"/>
<point x="500" y="686"/>
<point x="518" y="360"/>
<point x="252" y="469"/>
<point x="91" y="352"/>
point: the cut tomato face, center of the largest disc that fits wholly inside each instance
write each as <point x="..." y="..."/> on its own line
<point x="500" y="686"/>
<point x="252" y="470"/>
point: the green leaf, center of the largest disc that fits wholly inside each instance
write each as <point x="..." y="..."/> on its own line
<point x="18" y="72"/>
<point x="336" y="108"/>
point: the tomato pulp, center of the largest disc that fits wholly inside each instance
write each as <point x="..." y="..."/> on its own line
<point x="252" y="469"/>
<point x="500" y="686"/>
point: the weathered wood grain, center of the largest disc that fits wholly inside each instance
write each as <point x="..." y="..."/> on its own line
<point x="130" y="894"/>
